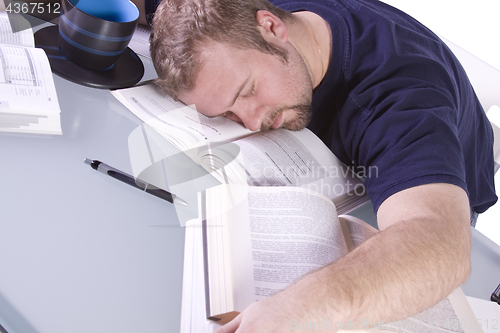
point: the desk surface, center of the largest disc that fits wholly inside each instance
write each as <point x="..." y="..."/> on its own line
<point x="83" y="253"/>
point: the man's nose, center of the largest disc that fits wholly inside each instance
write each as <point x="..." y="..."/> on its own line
<point x="251" y="116"/>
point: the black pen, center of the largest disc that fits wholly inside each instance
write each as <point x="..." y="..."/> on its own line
<point x="128" y="179"/>
<point x="495" y="297"/>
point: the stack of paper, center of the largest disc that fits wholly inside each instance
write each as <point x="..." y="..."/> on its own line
<point x="28" y="99"/>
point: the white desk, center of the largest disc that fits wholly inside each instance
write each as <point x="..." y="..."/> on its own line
<point x="80" y="252"/>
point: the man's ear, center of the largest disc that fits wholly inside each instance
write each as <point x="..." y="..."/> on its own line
<point x="272" y="28"/>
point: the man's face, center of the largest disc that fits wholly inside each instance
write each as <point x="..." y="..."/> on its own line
<point x="256" y="89"/>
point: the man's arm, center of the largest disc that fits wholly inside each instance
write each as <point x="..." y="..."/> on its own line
<point x="421" y="254"/>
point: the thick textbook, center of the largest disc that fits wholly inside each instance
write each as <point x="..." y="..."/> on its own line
<point x="236" y="155"/>
<point x="253" y="242"/>
<point x="28" y="99"/>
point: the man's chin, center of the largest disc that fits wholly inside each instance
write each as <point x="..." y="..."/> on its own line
<point x="300" y="114"/>
<point x="294" y="127"/>
<point x="300" y="121"/>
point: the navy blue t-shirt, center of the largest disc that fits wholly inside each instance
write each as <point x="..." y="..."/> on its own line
<point x="396" y="102"/>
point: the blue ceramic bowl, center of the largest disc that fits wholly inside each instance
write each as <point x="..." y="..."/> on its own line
<point x="94" y="33"/>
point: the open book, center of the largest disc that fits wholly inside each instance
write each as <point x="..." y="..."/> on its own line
<point x="140" y="41"/>
<point x="258" y="240"/>
<point x="234" y="154"/>
<point x="28" y="102"/>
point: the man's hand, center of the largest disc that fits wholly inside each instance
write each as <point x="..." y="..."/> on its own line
<point x="272" y="314"/>
<point x="425" y="236"/>
<point x="279" y="313"/>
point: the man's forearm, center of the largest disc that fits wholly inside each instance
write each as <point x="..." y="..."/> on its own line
<point x="419" y="257"/>
<point x="377" y="282"/>
<point x="402" y="270"/>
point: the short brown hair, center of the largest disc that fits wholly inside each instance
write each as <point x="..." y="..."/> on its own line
<point x="180" y="27"/>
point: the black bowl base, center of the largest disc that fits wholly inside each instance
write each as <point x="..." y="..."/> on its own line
<point x="127" y="71"/>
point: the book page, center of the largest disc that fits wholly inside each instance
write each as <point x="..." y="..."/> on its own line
<point x="26" y="81"/>
<point x="277" y="235"/>
<point x="27" y="123"/>
<point x="451" y="315"/>
<point x="29" y="101"/>
<point x="487" y="313"/>
<point x="285" y="158"/>
<point x="218" y="206"/>
<point x="182" y="125"/>
<point x="140" y="41"/>
<point x="193" y="311"/>
<point x="356" y="231"/>
<point x="21" y="38"/>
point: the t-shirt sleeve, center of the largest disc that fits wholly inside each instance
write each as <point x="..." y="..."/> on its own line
<point x="407" y="136"/>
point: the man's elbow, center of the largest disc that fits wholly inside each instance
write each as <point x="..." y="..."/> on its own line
<point x="463" y="272"/>
<point x="462" y="260"/>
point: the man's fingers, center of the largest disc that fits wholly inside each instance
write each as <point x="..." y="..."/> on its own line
<point x="230" y="327"/>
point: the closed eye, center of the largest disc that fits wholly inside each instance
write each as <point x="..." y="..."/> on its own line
<point x="252" y="92"/>
<point x="219" y="115"/>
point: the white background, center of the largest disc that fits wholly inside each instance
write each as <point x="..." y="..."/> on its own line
<point x="474" y="25"/>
